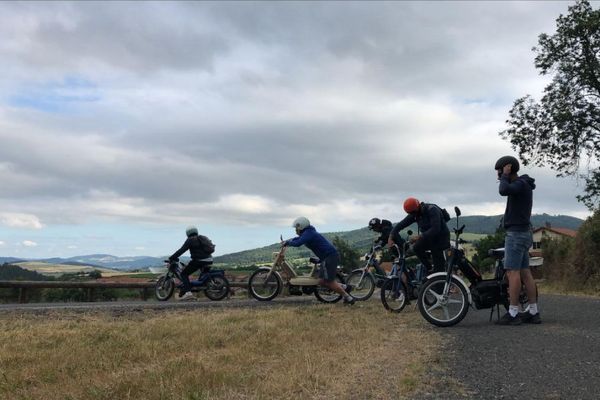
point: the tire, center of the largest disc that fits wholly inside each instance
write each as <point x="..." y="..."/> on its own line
<point x="326" y="295"/>
<point x="362" y="289"/>
<point x="392" y="301"/>
<point x="262" y="290"/>
<point x="164" y="288"/>
<point x="217" y="288"/>
<point x="443" y="312"/>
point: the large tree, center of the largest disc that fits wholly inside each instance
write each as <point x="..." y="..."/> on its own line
<point x="562" y="130"/>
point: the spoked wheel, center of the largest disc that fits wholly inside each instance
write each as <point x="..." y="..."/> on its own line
<point x="394" y="295"/>
<point x="439" y="309"/>
<point x="163" y="290"/>
<point x="327" y="295"/>
<point x="264" y="286"/>
<point x="217" y="288"/>
<point x="362" y="284"/>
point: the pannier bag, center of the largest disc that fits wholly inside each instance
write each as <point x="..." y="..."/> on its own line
<point x="487" y="293"/>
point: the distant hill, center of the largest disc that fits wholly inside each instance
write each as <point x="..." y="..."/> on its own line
<point x="360" y="239"/>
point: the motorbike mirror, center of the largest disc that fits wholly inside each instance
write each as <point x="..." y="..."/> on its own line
<point x="281" y="238"/>
<point x="457" y="211"/>
<point x="409" y="232"/>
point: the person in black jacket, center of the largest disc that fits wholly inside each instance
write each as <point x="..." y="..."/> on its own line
<point x="434" y="234"/>
<point x="519" y="238"/>
<point x="200" y="248"/>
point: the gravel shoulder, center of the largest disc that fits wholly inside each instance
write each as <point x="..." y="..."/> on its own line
<point x="558" y="359"/>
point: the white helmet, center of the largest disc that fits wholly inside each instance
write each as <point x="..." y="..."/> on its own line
<point x="300" y="223"/>
<point x="191" y="230"/>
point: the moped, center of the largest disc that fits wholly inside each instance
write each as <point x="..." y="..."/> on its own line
<point x="444" y="299"/>
<point x="213" y="282"/>
<point x="363" y="280"/>
<point x="267" y="282"/>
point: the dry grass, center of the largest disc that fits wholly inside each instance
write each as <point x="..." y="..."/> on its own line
<point x="312" y="351"/>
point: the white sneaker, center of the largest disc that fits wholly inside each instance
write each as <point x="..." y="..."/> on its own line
<point x="186" y="296"/>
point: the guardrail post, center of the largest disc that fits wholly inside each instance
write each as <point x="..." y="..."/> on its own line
<point x="90" y="294"/>
<point x="22" y="295"/>
<point x="145" y="294"/>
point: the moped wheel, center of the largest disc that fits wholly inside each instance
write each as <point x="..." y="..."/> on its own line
<point x="264" y="288"/>
<point x="327" y="295"/>
<point x="394" y="295"/>
<point x="362" y="285"/>
<point x="217" y="288"/>
<point x="443" y="310"/>
<point x="163" y="290"/>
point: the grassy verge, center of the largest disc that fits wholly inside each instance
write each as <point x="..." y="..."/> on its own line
<point x="314" y="351"/>
<point x="547" y="287"/>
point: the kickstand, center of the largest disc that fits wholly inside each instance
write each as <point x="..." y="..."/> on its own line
<point x="497" y="307"/>
<point x="492" y="313"/>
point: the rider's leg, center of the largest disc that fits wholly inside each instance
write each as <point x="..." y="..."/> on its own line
<point x="439" y="261"/>
<point x="419" y="249"/>
<point x="529" y="283"/>
<point x="516" y="258"/>
<point x="327" y="274"/>
<point x="189" y="269"/>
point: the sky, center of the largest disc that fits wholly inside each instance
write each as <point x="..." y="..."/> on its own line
<point x="123" y="123"/>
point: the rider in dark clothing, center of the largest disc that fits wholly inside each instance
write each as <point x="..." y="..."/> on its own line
<point x="201" y="259"/>
<point x="434" y="233"/>
<point x="384" y="228"/>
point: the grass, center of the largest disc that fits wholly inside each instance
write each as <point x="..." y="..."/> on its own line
<point x="310" y="351"/>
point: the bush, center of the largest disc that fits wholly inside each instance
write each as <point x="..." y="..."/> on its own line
<point x="575" y="263"/>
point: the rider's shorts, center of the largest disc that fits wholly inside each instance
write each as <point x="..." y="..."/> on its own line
<point x="516" y="249"/>
<point x="329" y="267"/>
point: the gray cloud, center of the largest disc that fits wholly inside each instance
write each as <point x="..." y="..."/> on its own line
<point x="248" y="113"/>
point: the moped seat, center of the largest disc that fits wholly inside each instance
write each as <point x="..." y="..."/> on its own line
<point x="314" y="260"/>
<point x="498" y="253"/>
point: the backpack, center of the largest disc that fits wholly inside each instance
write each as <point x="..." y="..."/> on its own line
<point x="445" y="213"/>
<point x="206" y="244"/>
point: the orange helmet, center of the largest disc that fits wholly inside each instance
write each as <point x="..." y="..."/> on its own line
<point x="411" y="205"/>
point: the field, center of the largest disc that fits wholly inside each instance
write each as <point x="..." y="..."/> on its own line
<point x="59" y="269"/>
<point x="310" y="351"/>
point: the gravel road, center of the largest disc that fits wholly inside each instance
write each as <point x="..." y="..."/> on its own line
<point x="559" y="359"/>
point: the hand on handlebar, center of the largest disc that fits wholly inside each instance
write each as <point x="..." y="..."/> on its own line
<point x="414" y="239"/>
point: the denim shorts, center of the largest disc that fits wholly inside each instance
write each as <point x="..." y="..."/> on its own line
<point x="516" y="249"/>
<point x="329" y="267"/>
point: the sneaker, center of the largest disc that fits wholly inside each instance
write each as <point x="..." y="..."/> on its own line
<point x="508" y="320"/>
<point x="528" y="318"/>
<point x="349" y="300"/>
<point x="186" y="296"/>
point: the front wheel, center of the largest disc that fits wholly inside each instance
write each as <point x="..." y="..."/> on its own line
<point x="264" y="285"/>
<point x="394" y="295"/>
<point x="326" y="295"/>
<point x="362" y="285"/>
<point x="217" y="288"/>
<point x="163" y="290"/>
<point x="443" y="307"/>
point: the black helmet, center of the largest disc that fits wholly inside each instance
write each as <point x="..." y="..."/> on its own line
<point x="502" y="161"/>
<point x="374" y="223"/>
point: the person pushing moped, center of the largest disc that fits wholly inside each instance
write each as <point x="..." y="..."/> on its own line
<point x="327" y="253"/>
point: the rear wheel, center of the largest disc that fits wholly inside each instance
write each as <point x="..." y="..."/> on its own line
<point x="163" y="290"/>
<point x="394" y="295"/>
<point x="217" y="288"/>
<point x="439" y="309"/>
<point x="362" y="285"/>
<point x="326" y="295"/>
<point x="263" y="285"/>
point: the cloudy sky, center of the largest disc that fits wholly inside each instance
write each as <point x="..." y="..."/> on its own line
<point x="122" y="123"/>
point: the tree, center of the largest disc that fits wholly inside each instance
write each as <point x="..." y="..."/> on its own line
<point x="562" y="130"/>
<point x="349" y="257"/>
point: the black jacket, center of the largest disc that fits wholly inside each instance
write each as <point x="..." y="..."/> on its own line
<point x="517" y="216"/>
<point x="386" y="231"/>
<point x="431" y="224"/>
<point x="195" y="247"/>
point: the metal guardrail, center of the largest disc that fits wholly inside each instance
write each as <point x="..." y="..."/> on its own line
<point x="91" y="287"/>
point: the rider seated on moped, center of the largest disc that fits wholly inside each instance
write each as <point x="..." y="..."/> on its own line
<point x="327" y="253"/>
<point x="200" y="248"/>
<point x="384" y="228"/>
<point x="434" y="234"/>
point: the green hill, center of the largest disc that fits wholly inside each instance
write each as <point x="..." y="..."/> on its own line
<point x="477" y="226"/>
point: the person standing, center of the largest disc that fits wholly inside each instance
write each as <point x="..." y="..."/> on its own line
<point x="517" y="223"/>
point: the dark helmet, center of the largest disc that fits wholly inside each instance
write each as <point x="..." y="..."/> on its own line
<point x="502" y="161"/>
<point x="374" y="224"/>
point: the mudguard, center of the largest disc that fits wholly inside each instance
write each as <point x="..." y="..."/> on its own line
<point x="458" y="279"/>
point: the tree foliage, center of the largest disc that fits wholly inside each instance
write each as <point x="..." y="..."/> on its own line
<point x="562" y="130"/>
<point x="349" y="257"/>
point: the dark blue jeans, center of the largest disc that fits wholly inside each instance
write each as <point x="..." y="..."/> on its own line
<point x="193" y="266"/>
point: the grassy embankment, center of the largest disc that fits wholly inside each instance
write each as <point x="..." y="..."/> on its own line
<point x="312" y="351"/>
